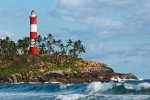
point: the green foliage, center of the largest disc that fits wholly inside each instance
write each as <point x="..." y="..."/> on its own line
<point x="68" y="65"/>
<point x="49" y="45"/>
<point x="2" y="62"/>
<point x="23" y="44"/>
<point x="44" y="58"/>
<point x="8" y="49"/>
<point x="61" y="56"/>
<point x="11" y="70"/>
<point x="64" y="68"/>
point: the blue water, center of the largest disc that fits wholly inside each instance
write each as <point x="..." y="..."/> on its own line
<point x="126" y="90"/>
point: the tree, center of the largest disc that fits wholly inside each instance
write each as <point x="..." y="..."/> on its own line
<point x="23" y="44"/>
<point x="50" y="43"/>
<point x="68" y="46"/>
<point x="62" y="50"/>
<point x="8" y="49"/>
<point x="77" y="49"/>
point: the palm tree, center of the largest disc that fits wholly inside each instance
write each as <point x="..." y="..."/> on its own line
<point x="62" y="48"/>
<point x="82" y="49"/>
<point x="50" y="43"/>
<point x="8" y="49"/>
<point x="39" y="40"/>
<point x="23" y="44"/>
<point x="50" y="37"/>
<point x="44" y="39"/>
<point x="57" y="43"/>
<point x="78" y="48"/>
<point x="68" y="46"/>
<point x="49" y="46"/>
<point x="43" y="48"/>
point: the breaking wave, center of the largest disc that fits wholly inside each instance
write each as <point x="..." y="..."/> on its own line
<point x="77" y="91"/>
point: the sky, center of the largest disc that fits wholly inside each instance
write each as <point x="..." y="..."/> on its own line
<point x="115" y="32"/>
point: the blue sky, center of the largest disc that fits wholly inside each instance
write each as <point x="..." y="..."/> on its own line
<point x="115" y="32"/>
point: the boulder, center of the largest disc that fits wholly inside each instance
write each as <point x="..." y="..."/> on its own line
<point x="9" y="80"/>
<point x="19" y="77"/>
<point x="13" y="77"/>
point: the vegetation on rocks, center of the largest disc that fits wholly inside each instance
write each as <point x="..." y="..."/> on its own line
<point x="19" y="69"/>
<point x="10" y="50"/>
<point x="56" y="62"/>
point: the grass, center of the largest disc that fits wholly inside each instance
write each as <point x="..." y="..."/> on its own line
<point x="45" y="58"/>
<point x="12" y="70"/>
<point x="64" y="68"/>
<point x="69" y="64"/>
<point x="2" y="62"/>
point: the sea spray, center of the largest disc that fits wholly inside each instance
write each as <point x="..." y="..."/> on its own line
<point x="63" y="86"/>
<point x="98" y="86"/>
<point x="70" y="97"/>
<point x="128" y="90"/>
<point x="141" y="86"/>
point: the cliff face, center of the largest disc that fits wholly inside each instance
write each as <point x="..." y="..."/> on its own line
<point x="44" y="71"/>
<point x="93" y="71"/>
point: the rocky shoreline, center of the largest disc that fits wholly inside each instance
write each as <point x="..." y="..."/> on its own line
<point x="57" y="77"/>
<point x="92" y="71"/>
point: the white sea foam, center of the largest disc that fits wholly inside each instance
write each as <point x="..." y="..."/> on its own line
<point x="34" y="82"/>
<point x="140" y="86"/>
<point x="70" y="97"/>
<point x="118" y="79"/>
<point x="98" y="86"/>
<point x="46" y="82"/>
<point x="141" y="79"/>
<point x="55" y="82"/>
<point x="63" y="86"/>
<point x="113" y="79"/>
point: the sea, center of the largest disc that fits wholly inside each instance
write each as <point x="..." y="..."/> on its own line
<point x="123" y="90"/>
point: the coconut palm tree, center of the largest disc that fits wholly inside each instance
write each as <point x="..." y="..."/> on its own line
<point x="23" y="44"/>
<point x="68" y="46"/>
<point x="8" y="49"/>
<point x="62" y="48"/>
<point x="50" y="37"/>
<point x="82" y="49"/>
<point x="50" y="43"/>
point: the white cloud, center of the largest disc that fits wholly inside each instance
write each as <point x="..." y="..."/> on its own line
<point x="103" y="22"/>
<point x="89" y="13"/>
<point x="117" y="2"/>
<point x="70" y="2"/>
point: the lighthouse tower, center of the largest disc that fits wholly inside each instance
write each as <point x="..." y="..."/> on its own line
<point x="33" y="33"/>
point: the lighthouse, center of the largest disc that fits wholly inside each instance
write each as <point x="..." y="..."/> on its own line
<point x="33" y="33"/>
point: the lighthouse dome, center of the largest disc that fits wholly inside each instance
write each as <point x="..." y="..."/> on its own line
<point x="33" y="14"/>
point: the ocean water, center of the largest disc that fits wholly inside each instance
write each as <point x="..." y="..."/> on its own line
<point x="125" y="90"/>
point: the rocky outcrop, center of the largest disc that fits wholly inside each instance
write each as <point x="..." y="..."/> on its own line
<point x="123" y="76"/>
<point x="91" y="71"/>
<point x="84" y="76"/>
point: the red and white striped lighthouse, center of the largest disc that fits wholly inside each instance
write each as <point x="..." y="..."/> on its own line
<point x="33" y="33"/>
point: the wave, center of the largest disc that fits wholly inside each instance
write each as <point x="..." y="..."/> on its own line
<point x="73" y="91"/>
<point x="141" y="86"/>
<point x="98" y="86"/>
<point x="70" y="97"/>
<point x="110" y="87"/>
<point x="119" y="88"/>
<point x="63" y="86"/>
